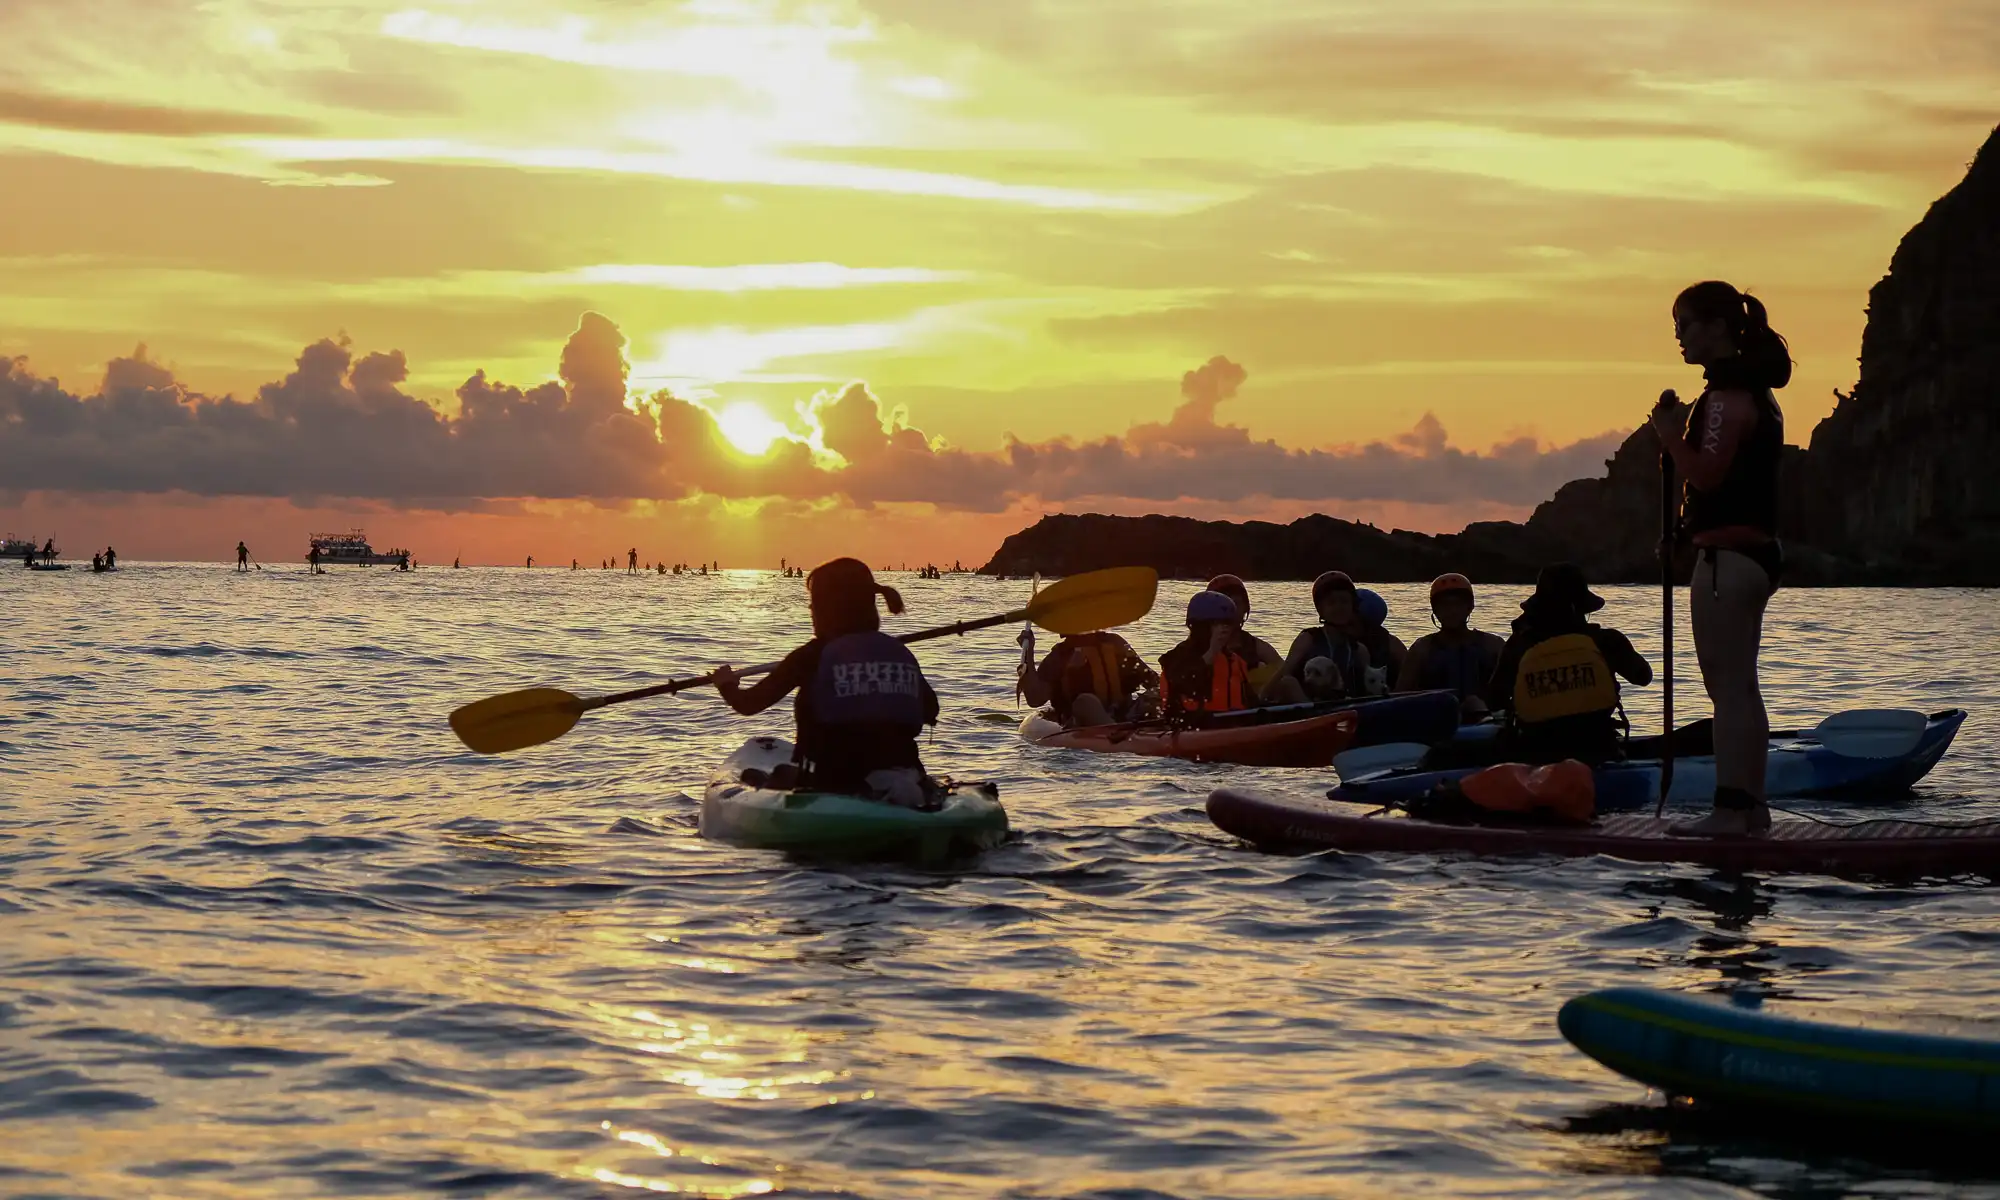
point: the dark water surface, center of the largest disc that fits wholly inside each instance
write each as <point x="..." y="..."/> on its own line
<point x="266" y="931"/>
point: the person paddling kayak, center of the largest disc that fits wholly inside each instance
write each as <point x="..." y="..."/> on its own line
<point x="1457" y="656"/>
<point x="1346" y="660"/>
<point x="1557" y="675"/>
<point x="1088" y="679"/>
<point x="1203" y="674"/>
<point x="862" y="699"/>
<point x="1727" y="448"/>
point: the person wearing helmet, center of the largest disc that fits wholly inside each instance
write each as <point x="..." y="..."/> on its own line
<point x="1385" y="650"/>
<point x="1457" y="656"/>
<point x="1347" y="661"/>
<point x="1203" y="674"/>
<point x="862" y="698"/>
<point x="1266" y="664"/>
<point x="1557" y="675"/>
<point x="1088" y="679"/>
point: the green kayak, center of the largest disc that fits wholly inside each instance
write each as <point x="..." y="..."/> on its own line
<point x="839" y="825"/>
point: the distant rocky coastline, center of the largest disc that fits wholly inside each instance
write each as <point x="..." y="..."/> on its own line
<point x="1900" y="484"/>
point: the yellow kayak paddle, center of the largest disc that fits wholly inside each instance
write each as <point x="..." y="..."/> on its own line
<point x="1078" y="604"/>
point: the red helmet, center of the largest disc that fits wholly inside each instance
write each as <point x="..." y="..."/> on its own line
<point x="1330" y="581"/>
<point x="1450" y="582"/>
<point x="1232" y="587"/>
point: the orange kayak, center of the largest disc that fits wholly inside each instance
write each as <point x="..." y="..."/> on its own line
<point x="1310" y="741"/>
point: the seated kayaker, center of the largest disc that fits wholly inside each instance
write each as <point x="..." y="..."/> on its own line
<point x="1202" y="675"/>
<point x="1557" y="675"/>
<point x="1266" y="664"/>
<point x="862" y="699"/>
<point x="1089" y="679"/>
<point x="1333" y="596"/>
<point x="1457" y="656"/>
<point x="1385" y="650"/>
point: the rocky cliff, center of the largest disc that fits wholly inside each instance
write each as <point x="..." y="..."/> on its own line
<point x="1897" y="486"/>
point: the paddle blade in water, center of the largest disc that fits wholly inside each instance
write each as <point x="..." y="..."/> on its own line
<point x="498" y="724"/>
<point x="1095" y="600"/>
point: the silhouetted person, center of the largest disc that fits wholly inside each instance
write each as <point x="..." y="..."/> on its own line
<point x="110" y="558"/>
<point x="531" y="562"/>
<point x="97" y="562"/>
<point x="49" y="551"/>
<point x="243" y="556"/>
<point x="632" y="561"/>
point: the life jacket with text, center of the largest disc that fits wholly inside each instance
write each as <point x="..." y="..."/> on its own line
<point x="1563" y="676"/>
<point x="868" y="679"/>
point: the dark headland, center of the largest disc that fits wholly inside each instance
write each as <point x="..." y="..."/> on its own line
<point x="1900" y="485"/>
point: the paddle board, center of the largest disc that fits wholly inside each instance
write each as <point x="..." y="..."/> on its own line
<point x="1735" y="1055"/>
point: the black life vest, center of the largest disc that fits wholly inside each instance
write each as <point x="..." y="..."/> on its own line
<point x="1463" y="668"/>
<point x="867" y="679"/>
<point x="1748" y="493"/>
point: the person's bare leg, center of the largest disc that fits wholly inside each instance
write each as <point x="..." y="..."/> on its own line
<point x="1727" y="602"/>
<point x="1087" y="710"/>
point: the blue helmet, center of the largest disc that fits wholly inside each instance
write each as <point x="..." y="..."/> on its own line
<point x="1370" y="607"/>
<point x="1210" y="606"/>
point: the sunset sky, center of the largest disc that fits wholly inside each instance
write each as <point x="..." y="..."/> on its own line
<point x="732" y="280"/>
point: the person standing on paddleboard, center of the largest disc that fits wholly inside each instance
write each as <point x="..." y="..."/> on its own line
<point x="862" y="699"/>
<point x="1728" y="448"/>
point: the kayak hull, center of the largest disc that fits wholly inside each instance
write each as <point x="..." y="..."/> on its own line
<point x="1734" y="1056"/>
<point x="1889" y="848"/>
<point x="835" y="825"/>
<point x="1797" y="767"/>
<point x="1309" y="741"/>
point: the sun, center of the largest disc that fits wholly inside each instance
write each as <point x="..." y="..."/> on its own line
<point x="748" y="428"/>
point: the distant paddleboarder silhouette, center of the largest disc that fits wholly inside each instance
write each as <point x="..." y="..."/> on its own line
<point x="243" y="556"/>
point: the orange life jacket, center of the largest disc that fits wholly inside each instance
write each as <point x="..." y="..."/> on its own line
<point x="1228" y="687"/>
<point x="1096" y="667"/>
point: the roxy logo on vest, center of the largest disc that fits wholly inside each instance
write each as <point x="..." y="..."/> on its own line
<point x="1555" y="681"/>
<point x="876" y="679"/>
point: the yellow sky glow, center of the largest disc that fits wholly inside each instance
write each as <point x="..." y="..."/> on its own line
<point x="1010" y="221"/>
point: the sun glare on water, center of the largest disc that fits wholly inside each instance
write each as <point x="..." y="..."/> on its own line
<point x="748" y="427"/>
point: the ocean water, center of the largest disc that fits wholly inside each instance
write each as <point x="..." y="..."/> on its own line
<point x="267" y="930"/>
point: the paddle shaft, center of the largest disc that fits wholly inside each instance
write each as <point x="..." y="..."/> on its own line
<point x="680" y="685"/>
<point x="1669" y="514"/>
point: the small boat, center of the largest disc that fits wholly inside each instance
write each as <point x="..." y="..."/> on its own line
<point x="1847" y="754"/>
<point x="737" y="810"/>
<point x="13" y="547"/>
<point x="48" y="566"/>
<point x="352" y="549"/>
<point x="1736" y="1055"/>
<point x="1288" y="736"/>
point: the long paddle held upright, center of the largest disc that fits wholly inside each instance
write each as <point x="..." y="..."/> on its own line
<point x="1079" y="604"/>
<point x="1669" y="516"/>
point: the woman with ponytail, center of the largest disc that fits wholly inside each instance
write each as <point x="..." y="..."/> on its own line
<point x="1728" y="448"/>
<point x="862" y="699"/>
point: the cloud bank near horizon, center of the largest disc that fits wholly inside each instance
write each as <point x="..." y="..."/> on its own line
<point x="342" y="425"/>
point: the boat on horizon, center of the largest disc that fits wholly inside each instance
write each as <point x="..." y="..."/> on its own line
<point x="352" y="549"/>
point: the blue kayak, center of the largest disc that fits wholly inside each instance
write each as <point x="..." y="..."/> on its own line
<point x="1800" y="764"/>
<point x="1729" y="1054"/>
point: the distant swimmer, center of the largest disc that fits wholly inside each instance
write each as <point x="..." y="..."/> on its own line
<point x="243" y="556"/>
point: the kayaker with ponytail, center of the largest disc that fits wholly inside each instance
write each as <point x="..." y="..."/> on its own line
<point x="862" y="699"/>
<point x="1727" y="448"/>
<point x="1457" y="656"/>
<point x="1557" y="674"/>
<point x="1203" y="674"/>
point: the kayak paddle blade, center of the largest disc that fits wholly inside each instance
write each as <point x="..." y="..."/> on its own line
<point x="516" y="720"/>
<point x="1873" y="732"/>
<point x="1367" y="760"/>
<point x="1095" y="600"/>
